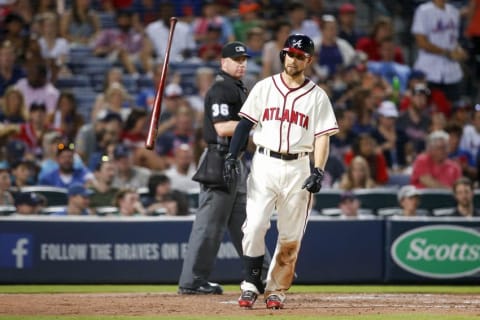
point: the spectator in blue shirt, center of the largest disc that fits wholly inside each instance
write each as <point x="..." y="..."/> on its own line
<point x="78" y="201"/>
<point x="66" y="174"/>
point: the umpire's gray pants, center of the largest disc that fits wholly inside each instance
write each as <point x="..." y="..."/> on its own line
<point x="218" y="211"/>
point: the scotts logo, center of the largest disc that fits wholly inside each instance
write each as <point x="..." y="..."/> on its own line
<point x="438" y="251"/>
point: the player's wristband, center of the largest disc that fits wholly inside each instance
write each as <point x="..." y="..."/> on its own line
<point x="319" y="172"/>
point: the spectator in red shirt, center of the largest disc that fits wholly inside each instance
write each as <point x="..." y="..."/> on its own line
<point x="432" y="168"/>
<point x="382" y="29"/>
<point x="365" y="146"/>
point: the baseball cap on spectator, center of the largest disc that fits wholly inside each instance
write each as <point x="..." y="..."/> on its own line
<point x="462" y="104"/>
<point x="416" y="74"/>
<point x="4" y="166"/>
<point x="13" y="17"/>
<point x="421" y="88"/>
<point x="96" y="160"/>
<point x="38" y="107"/>
<point x="248" y="6"/>
<point x="346" y="8"/>
<point x="16" y="149"/>
<point x="347" y="195"/>
<point x="234" y="50"/>
<point x="22" y="161"/>
<point x="107" y="115"/>
<point x="78" y="189"/>
<point x="28" y="198"/>
<point x="121" y="151"/>
<point x="173" y="90"/>
<point x="214" y="27"/>
<point x="407" y="192"/>
<point x="388" y="109"/>
<point x="52" y="137"/>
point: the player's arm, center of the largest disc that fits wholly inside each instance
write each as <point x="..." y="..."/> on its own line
<point x="240" y="137"/>
<point x="320" y="154"/>
<point x="225" y="128"/>
<point x="456" y="54"/>
<point x="231" y="167"/>
<point x="321" y="151"/>
<point x="423" y="43"/>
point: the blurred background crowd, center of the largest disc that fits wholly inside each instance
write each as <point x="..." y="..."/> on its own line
<point x="78" y="81"/>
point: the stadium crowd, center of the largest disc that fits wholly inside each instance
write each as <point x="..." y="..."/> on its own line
<point x="79" y="77"/>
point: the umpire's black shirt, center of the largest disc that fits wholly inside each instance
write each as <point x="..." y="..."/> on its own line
<point x="222" y="103"/>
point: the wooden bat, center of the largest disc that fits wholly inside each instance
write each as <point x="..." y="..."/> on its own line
<point x="157" y="104"/>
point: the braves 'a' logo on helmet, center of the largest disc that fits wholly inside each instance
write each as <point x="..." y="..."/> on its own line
<point x="297" y="43"/>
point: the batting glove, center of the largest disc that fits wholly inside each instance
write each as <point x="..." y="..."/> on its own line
<point x="231" y="168"/>
<point x="314" y="183"/>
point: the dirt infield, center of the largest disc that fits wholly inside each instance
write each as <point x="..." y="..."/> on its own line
<point x="225" y="305"/>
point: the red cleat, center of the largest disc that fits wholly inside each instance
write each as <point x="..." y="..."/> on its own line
<point x="247" y="299"/>
<point x="274" y="302"/>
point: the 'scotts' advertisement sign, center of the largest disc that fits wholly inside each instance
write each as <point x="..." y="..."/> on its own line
<point x="438" y="251"/>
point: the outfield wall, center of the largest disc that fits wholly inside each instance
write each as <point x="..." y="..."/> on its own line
<point x="151" y="250"/>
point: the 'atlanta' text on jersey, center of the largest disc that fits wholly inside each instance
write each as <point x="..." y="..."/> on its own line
<point x="294" y="117"/>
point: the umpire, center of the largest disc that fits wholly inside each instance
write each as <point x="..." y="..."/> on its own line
<point x="220" y="207"/>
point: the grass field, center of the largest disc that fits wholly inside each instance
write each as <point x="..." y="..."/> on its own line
<point x="465" y="289"/>
<point x="326" y="289"/>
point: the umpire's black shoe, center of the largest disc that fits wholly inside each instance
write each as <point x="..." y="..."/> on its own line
<point x="207" y="288"/>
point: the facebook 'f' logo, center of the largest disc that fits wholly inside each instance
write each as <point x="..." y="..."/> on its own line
<point x="15" y="250"/>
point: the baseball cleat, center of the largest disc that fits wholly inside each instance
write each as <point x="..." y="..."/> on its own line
<point x="247" y="299"/>
<point x="207" y="288"/>
<point x="274" y="302"/>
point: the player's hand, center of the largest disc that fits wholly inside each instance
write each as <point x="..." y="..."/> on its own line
<point x="458" y="54"/>
<point x="314" y="183"/>
<point x="231" y="169"/>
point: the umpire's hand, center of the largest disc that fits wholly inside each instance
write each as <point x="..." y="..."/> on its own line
<point x="314" y="183"/>
<point x="231" y="169"/>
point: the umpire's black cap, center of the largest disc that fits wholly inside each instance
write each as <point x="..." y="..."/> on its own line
<point x="234" y="50"/>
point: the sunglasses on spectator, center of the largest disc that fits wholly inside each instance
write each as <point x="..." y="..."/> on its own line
<point x="65" y="146"/>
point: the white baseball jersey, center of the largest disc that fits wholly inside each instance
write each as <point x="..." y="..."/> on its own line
<point x="441" y="27"/>
<point x="288" y="120"/>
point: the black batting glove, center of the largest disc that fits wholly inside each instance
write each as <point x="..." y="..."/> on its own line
<point x="314" y="183"/>
<point x="231" y="168"/>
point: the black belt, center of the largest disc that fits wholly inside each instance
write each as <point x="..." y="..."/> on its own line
<point x="282" y="156"/>
<point x="219" y="147"/>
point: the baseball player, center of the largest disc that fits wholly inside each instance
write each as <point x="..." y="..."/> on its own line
<point x="219" y="209"/>
<point x="292" y="117"/>
<point x="436" y="26"/>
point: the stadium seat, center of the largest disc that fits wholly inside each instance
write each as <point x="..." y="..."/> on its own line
<point x="431" y="199"/>
<point x="327" y="198"/>
<point x="80" y="53"/>
<point x="52" y="209"/>
<point x="95" y="66"/>
<point x="130" y="83"/>
<point x="388" y="212"/>
<point x="145" y="82"/>
<point x="107" y="20"/>
<point x="476" y="198"/>
<point x="106" y="211"/>
<point x="6" y="210"/>
<point x="71" y="82"/>
<point x="398" y="180"/>
<point x="55" y="196"/>
<point x="193" y="200"/>
<point x="443" y="212"/>
<point x="377" y="198"/>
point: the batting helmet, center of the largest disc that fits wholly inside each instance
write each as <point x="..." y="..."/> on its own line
<point x="297" y="43"/>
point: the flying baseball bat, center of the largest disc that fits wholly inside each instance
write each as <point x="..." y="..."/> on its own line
<point x="157" y="104"/>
